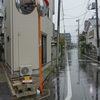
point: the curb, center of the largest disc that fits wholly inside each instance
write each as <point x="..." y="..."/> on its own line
<point x="45" y="95"/>
<point x="91" y="58"/>
<point x="48" y="74"/>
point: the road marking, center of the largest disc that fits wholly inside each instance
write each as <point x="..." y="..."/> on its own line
<point x="69" y="94"/>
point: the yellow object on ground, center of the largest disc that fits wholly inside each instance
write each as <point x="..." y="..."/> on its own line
<point x="26" y="77"/>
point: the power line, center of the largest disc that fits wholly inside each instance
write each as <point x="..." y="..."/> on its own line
<point x="85" y="11"/>
<point x="70" y="25"/>
<point x="75" y="6"/>
<point x="77" y="16"/>
<point x="68" y="15"/>
<point x="72" y="7"/>
<point x="83" y="19"/>
<point x="82" y="8"/>
<point x="85" y="15"/>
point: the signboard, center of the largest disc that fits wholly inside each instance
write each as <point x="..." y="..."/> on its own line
<point x="26" y="78"/>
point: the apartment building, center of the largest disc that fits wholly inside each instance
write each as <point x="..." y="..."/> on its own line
<point x="68" y="38"/>
<point x="21" y="34"/>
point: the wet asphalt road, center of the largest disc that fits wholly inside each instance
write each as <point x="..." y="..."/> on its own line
<point x="77" y="79"/>
<point x="5" y="93"/>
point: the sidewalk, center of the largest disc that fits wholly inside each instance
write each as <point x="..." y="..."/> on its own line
<point x="5" y="93"/>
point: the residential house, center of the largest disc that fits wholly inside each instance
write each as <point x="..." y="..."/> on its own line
<point x="21" y="35"/>
<point x="90" y="31"/>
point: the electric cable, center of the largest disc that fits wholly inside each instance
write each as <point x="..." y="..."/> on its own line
<point x="85" y="15"/>
<point x="77" y="16"/>
<point x="82" y="8"/>
<point x="85" y="11"/>
<point x="73" y="7"/>
<point x="76" y="6"/>
<point x="85" y="18"/>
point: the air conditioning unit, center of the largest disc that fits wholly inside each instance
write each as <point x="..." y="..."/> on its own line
<point x="25" y="70"/>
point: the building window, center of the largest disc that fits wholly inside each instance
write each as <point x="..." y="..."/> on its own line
<point x="44" y="49"/>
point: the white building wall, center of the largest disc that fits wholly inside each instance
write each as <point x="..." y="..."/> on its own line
<point x="90" y="40"/>
<point x="25" y="37"/>
<point x="25" y="29"/>
<point x="94" y="39"/>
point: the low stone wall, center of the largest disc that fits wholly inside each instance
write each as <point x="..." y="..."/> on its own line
<point x="92" y="54"/>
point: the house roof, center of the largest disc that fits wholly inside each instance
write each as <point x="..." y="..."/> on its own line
<point x="91" y="22"/>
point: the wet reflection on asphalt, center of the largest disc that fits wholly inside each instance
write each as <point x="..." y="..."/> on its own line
<point x="85" y="79"/>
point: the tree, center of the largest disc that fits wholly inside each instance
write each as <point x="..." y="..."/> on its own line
<point x="81" y="38"/>
<point x="61" y="41"/>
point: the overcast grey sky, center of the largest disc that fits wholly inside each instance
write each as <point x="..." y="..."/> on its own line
<point x="73" y="10"/>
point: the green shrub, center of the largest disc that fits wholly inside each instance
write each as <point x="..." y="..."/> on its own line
<point x="1" y="48"/>
<point x="84" y="47"/>
<point x="82" y="50"/>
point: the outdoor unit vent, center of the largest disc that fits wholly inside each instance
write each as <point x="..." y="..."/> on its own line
<point x="25" y="70"/>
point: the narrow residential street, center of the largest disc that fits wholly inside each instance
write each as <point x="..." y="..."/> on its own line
<point x="49" y="50"/>
<point x="77" y="80"/>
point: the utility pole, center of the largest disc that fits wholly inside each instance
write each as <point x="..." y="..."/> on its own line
<point x="65" y="38"/>
<point x="64" y="25"/>
<point x="58" y="32"/>
<point x="78" y="33"/>
<point x="97" y="30"/>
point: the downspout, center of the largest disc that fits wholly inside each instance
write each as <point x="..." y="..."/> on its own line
<point x="11" y="20"/>
<point x="19" y="51"/>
